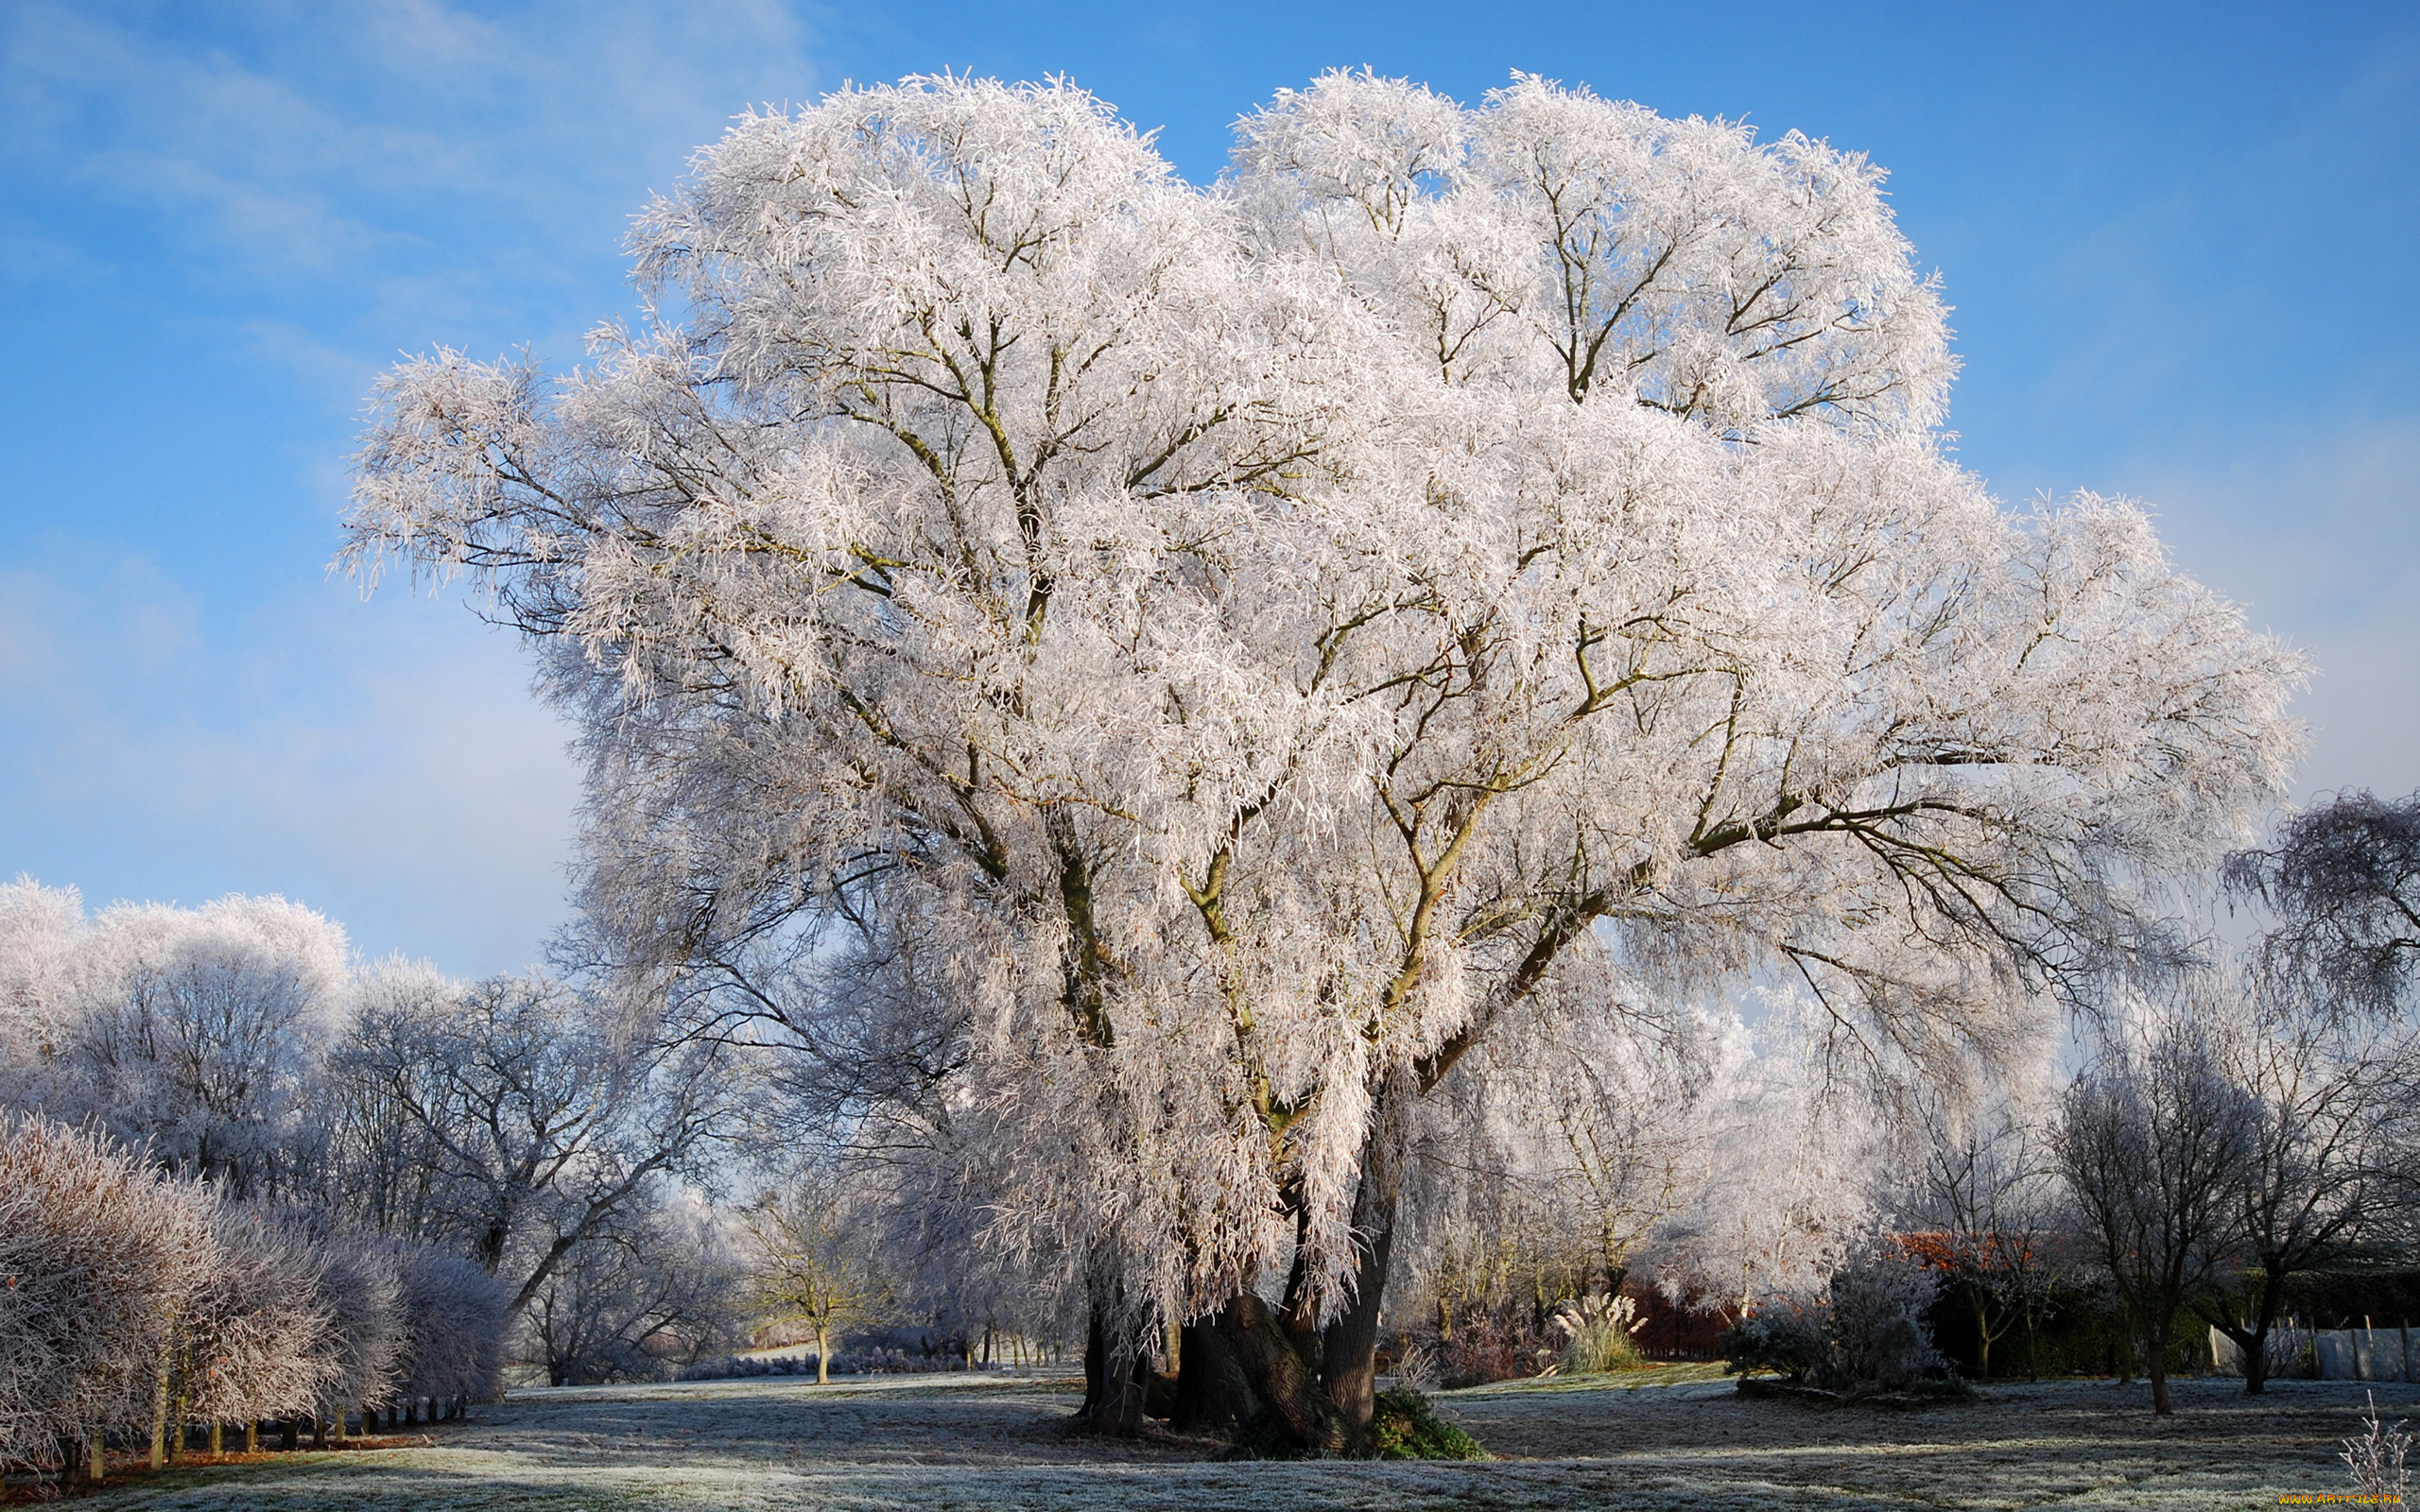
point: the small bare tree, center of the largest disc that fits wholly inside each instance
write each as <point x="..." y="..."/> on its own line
<point x="2332" y="1111"/>
<point x="2152" y="1141"/>
<point x="1987" y="1189"/>
<point x="809" y="1265"/>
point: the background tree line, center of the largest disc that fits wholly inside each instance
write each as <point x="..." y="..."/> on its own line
<point x="2231" y="1136"/>
<point x="398" y="1183"/>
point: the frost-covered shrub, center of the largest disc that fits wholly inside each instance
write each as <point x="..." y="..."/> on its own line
<point x="135" y="1303"/>
<point x="259" y="1345"/>
<point x="1880" y="1338"/>
<point x="742" y="1367"/>
<point x="355" y="1281"/>
<point x="1789" y="1338"/>
<point x="867" y="1361"/>
<point x="882" y="1361"/>
<point x="2376" y="1460"/>
<point x="455" y="1315"/>
<point x="1869" y="1334"/>
<point x="97" y="1259"/>
<point x="1485" y="1348"/>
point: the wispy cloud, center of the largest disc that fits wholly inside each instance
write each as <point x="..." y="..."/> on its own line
<point x="384" y="764"/>
<point x="425" y="157"/>
<point x="258" y="206"/>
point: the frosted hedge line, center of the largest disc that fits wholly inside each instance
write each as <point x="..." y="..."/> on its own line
<point x="136" y="1307"/>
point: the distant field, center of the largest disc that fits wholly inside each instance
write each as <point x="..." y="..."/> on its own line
<point x="996" y="1444"/>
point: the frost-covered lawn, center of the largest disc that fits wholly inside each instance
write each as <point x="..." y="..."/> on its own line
<point x="1568" y="1445"/>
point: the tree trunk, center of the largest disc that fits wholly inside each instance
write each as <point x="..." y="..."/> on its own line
<point x="1349" y="1346"/>
<point x="2250" y="1342"/>
<point x="1982" y="1334"/>
<point x="1113" y="1376"/>
<point x="1316" y="1386"/>
<point x="1212" y="1395"/>
<point x="1298" y="1316"/>
<point x="1348" y="1360"/>
<point x="217" y="1439"/>
<point x="2256" y="1354"/>
<point x="160" y="1410"/>
<point x="2156" y="1366"/>
<point x="1281" y="1383"/>
<point x="97" y="1466"/>
<point x="823" y="1357"/>
<point x="253" y="1436"/>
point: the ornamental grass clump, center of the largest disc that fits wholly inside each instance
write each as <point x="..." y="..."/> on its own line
<point x="1597" y="1334"/>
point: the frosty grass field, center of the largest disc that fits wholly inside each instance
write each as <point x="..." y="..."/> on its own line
<point x="1002" y="1444"/>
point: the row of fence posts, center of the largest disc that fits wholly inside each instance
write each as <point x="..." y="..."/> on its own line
<point x="2360" y="1348"/>
<point x="168" y="1446"/>
<point x="2330" y="1354"/>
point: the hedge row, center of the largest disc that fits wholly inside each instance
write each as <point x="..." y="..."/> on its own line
<point x="135" y="1306"/>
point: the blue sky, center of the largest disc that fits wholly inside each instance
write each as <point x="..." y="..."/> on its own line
<point x="2179" y="241"/>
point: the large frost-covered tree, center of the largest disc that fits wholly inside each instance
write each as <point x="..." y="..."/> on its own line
<point x="1187" y="667"/>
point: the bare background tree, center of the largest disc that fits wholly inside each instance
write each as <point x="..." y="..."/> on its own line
<point x="1988" y="1196"/>
<point x="537" y="1116"/>
<point x="2153" y="1140"/>
<point x="2343" y="880"/>
<point x="654" y="1292"/>
<point x="813" y="1261"/>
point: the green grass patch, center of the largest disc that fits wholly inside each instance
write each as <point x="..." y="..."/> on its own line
<point x="1675" y="1374"/>
<point x="1406" y="1427"/>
